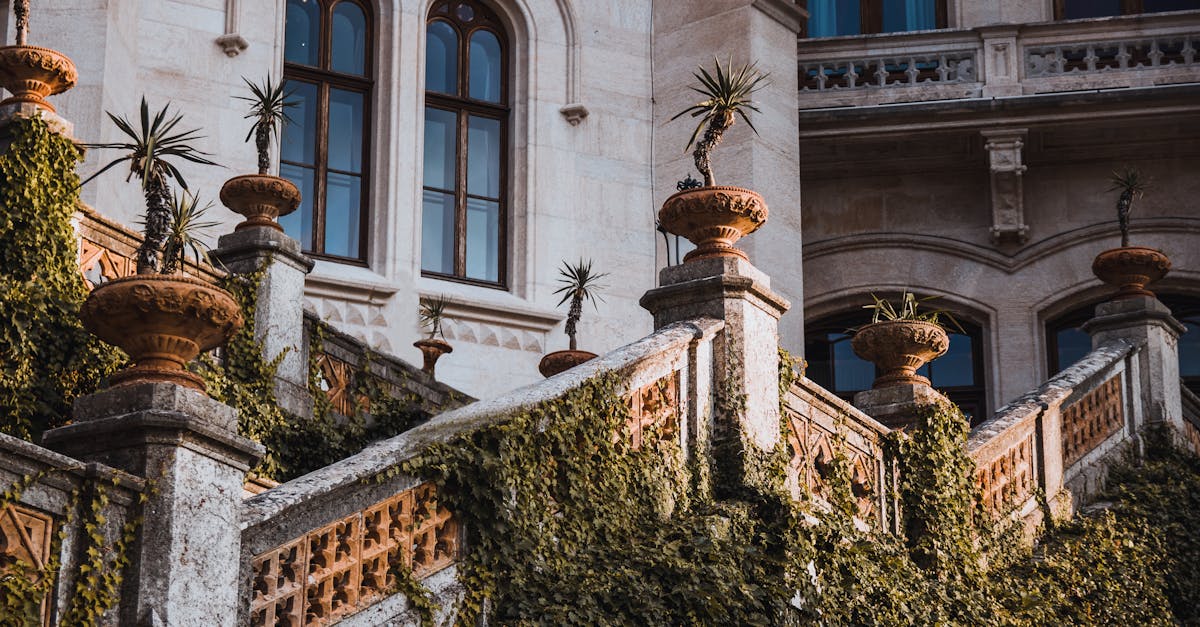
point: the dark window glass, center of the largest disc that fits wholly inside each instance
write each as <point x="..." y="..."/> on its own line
<point x="1081" y="9"/>
<point x="830" y="18"/>
<point x="1160" y="6"/>
<point x="463" y="207"/>
<point x="324" y="145"/>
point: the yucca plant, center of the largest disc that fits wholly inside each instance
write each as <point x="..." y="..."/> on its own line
<point x="726" y="93"/>
<point x="187" y="224"/>
<point x="433" y="311"/>
<point x="883" y="310"/>
<point x="21" y="17"/>
<point x="268" y="108"/>
<point x="150" y="148"/>
<point x="1131" y="184"/>
<point x="578" y="283"/>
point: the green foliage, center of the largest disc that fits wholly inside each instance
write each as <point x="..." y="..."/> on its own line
<point x="726" y="92"/>
<point x="47" y="359"/>
<point x="578" y="283"/>
<point x="268" y="108"/>
<point x="432" y="313"/>
<point x="882" y="309"/>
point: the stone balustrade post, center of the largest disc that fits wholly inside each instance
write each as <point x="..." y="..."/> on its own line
<point x="279" y="310"/>
<point x="184" y="566"/>
<point x="898" y="406"/>
<point x="1147" y="323"/>
<point x="746" y="354"/>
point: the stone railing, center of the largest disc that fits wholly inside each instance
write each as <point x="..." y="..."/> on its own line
<point x="819" y="425"/>
<point x="1061" y="435"/>
<point x="323" y="547"/>
<point x="108" y="250"/>
<point x="1191" y="418"/>
<point x="1006" y="60"/>
<point x="54" y="496"/>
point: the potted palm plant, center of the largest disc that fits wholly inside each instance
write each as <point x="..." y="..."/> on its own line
<point x="160" y="317"/>
<point x="432" y="347"/>
<point x="714" y="217"/>
<point x="30" y="73"/>
<point x="1129" y="268"/>
<point x="901" y="340"/>
<point x="578" y="283"/>
<point x="261" y="197"/>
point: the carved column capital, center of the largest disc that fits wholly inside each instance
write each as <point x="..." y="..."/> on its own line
<point x="1008" y="194"/>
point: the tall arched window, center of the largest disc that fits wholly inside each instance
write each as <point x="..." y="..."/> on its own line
<point x="324" y="147"/>
<point x="835" y="367"/>
<point x="464" y="201"/>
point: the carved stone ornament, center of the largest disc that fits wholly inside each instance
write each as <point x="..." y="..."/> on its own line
<point x="261" y="198"/>
<point x="432" y="349"/>
<point x="162" y="322"/>
<point x="31" y="73"/>
<point x="713" y="218"/>
<point x="562" y="361"/>
<point x="1130" y="269"/>
<point x="899" y="348"/>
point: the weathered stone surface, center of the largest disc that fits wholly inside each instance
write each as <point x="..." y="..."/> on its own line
<point x="896" y="406"/>
<point x="1143" y="320"/>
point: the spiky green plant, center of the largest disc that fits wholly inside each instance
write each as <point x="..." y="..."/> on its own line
<point x="151" y="147"/>
<point x="882" y="310"/>
<point x="1131" y="184"/>
<point x="726" y="93"/>
<point x="578" y="283"/>
<point x="433" y="311"/>
<point x="268" y="108"/>
<point x="187" y="225"/>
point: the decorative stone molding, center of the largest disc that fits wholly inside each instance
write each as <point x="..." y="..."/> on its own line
<point x="1001" y="61"/>
<point x="231" y="42"/>
<point x="1091" y="420"/>
<point x="574" y="113"/>
<point x="1008" y="192"/>
<point x="654" y="411"/>
<point x="497" y="325"/>
<point x="25" y="538"/>
<point x="1009" y="479"/>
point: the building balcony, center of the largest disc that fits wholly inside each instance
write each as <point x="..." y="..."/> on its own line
<point x="1000" y="61"/>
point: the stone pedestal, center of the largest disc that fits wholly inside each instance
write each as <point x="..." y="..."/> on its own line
<point x="1145" y="321"/>
<point x="184" y="566"/>
<point x="279" y="312"/>
<point x="746" y="355"/>
<point x="897" y="406"/>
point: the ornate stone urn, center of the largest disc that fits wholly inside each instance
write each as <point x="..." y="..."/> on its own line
<point x="1130" y="269"/>
<point x="562" y="361"/>
<point x="713" y="218"/>
<point x="432" y="350"/>
<point x="31" y="73"/>
<point x="261" y="198"/>
<point x="899" y="348"/>
<point x="162" y="322"/>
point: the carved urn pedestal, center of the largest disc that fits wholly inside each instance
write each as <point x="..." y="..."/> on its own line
<point x="162" y="322"/>
<point x="899" y="348"/>
<point x="562" y="361"/>
<point x="432" y="350"/>
<point x="261" y="198"/>
<point x="1130" y="269"/>
<point x="713" y="218"/>
<point x="31" y="73"/>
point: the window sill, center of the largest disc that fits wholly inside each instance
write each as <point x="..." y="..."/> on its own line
<point x="486" y="304"/>
<point x="348" y="282"/>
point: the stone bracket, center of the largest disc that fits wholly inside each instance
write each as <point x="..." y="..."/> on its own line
<point x="231" y="43"/>
<point x="1008" y="192"/>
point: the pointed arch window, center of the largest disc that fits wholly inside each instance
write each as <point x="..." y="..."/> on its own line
<point x="465" y="187"/>
<point x="325" y="146"/>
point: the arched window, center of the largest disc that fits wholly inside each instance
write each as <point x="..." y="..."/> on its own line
<point x="1067" y="343"/>
<point x="834" y="366"/>
<point x="325" y="144"/>
<point x="464" y="200"/>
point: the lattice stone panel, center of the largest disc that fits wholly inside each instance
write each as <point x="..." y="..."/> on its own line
<point x="654" y="411"/>
<point x="25" y="542"/>
<point x="338" y="569"/>
<point x="98" y="264"/>
<point x="1010" y="478"/>
<point x="337" y="379"/>
<point x="1092" y="419"/>
<point x="812" y="448"/>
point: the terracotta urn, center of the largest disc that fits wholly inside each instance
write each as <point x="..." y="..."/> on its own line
<point x="261" y="198"/>
<point x="899" y="348"/>
<point x="562" y="361"/>
<point x="713" y="218"/>
<point x="31" y="73"/>
<point x="162" y="322"/>
<point x="1130" y="269"/>
<point x="432" y="349"/>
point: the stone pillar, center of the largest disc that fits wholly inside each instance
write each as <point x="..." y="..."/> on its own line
<point x="184" y="566"/>
<point x="279" y="311"/>
<point x="746" y="355"/>
<point x="898" y="406"/>
<point x="1008" y="191"/>
<point x="1145" y="321"/>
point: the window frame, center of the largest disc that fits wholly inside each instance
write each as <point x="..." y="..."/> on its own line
<point x="325" y="78"/>
<point x="870" y="18"/>
<point x="463" y="106"/>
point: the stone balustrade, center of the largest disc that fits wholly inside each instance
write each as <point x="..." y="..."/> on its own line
<point x="1003" y="60"/>
<point x="1191" y="418"/>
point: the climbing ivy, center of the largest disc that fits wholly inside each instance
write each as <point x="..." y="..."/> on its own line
<point x="47" y="359"/>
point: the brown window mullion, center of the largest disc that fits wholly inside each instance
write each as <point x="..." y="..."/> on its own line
<point x="318" y="244"/>
<point x="460" y="198"/>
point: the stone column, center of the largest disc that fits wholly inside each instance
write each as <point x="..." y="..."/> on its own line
<point x="1148" y="323"/>
<point x="746" y="355"/>
<point x="898" y="406"/>
<point x="184" y="566"/>
<point x="279" y="311"/>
